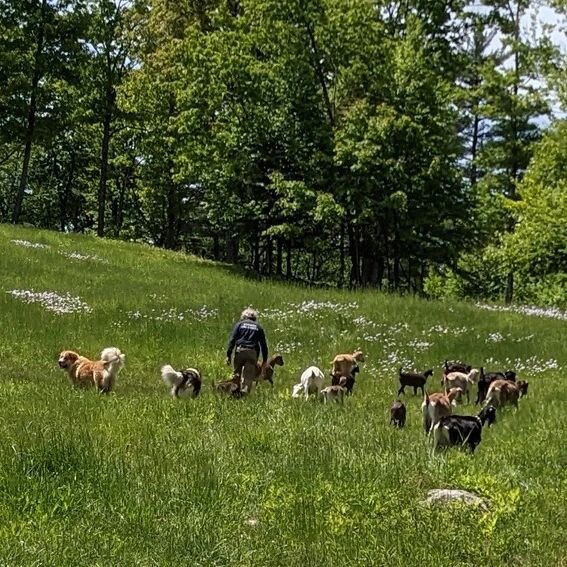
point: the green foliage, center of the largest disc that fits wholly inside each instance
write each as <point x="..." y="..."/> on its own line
<point x="536" y="251"/>
<point x="538" y="246"/>
<point x="344" y="142"/>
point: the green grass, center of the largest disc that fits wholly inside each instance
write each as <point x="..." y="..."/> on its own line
<point x="137" y="478"/>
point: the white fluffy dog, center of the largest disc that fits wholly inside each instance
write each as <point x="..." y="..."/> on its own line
<point x="185" y="382"/>
<point x="311" y="382"/>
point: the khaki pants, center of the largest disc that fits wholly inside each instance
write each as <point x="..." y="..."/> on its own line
<point x="245" y="366"/>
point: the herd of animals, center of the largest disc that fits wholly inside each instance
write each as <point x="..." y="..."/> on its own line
<point x="494" y="390"/>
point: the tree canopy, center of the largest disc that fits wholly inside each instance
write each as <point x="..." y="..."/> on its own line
<point x="359" y="143"/>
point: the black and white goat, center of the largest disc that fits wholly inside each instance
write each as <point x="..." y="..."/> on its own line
<point x="461" y="430"/>
<point x="186" y="382"/>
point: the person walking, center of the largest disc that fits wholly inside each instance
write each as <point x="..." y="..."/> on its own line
<point x="247" y="340"/>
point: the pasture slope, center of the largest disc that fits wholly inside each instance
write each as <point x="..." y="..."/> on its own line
<point x="137" y="478"/>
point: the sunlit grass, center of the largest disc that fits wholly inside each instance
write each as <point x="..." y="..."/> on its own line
<point x="136" y="478"/>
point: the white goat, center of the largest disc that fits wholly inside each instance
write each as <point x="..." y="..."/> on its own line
<point x="311" y="382"/>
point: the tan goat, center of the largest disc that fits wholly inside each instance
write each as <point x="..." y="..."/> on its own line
<point x="461" y="380"/>
<point x="343" y="364"/>
<point x="438" y="405"/>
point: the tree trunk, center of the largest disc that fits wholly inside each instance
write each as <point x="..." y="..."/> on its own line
<point x="279" y="257"/>
<point x="173" y="204"/>
<point x="515" y="158"/>
<point x="32" y="111"/>
<point x="313" y="267"/>
<point x="64" y="197"/>
<point x="319" y="71"/>
<point x="354" y="256"/>
<point x="232" y="252"/>
<point x="171" y="236"/>
<point x="216" y="247"/>
<point x="380" y="271"/>
<point x="342" y="263"/>
<point x="288" y="271"/>
<point x="509" y="294"/>
<point x="109" y="101"/>
<point x="256" y="252"/>
<point x="474" y="149"/>
<point x="396" y="271"/>
<point x="118" y="219"/>
<point x="269" y="256"/>
<point x="396" y="255"/>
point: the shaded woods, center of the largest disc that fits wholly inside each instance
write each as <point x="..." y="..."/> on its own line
<point x="358" y="143"/>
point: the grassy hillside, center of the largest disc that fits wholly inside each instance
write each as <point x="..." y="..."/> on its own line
<point x="136" y="478"/>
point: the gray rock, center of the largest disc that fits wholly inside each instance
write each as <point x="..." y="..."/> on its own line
<point x="449" y="496"/>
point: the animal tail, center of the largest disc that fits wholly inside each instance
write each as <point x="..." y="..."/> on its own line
<point x="170" y="376"/>
<point x="112" y="355"/>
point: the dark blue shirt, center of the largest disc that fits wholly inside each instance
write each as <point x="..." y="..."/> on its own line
<point x="248" y="334"/>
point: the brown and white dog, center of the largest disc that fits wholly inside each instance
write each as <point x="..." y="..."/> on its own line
<point x="98" y="373"/>
<point x="186" y="382"/>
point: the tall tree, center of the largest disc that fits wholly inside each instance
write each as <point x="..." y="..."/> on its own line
<point x="109" y="40"/>
<point x="39" y="46"/>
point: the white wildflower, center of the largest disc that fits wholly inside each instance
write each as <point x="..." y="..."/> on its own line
<point x="307" y="309"/>
<point x="549" y="312"/>
<point x="28" y="244"/>
<point x="494" y="338"/>
<point x="173" y="314"/>
<point x="419" y="346"/>
<point x="52" y="301"/>
<point x="82" y="257"/>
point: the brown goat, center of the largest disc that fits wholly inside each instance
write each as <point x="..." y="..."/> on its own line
<point x="438" y="405"/>
<point x="343" y="364"/>
<point x="503" y="392"/>
<point x="398" y="414"/>
<point x="413" y="379"/>
<point x="345" y="381"/>
<point x="231" y="387"/>
<point x="266" y="371"/>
